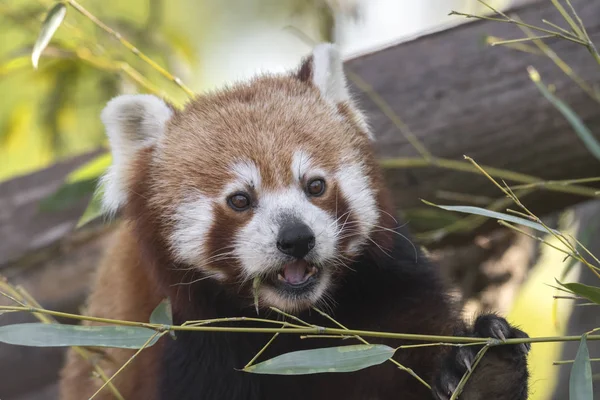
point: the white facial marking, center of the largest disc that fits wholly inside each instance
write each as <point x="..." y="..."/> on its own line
<point x="356" y="189"/>
<point x="301" y="162"/>
<point x="193" y="220"/>
<point x="302" y="167"/>
<point x="256" y="242"/>
<point x="248" y="175"/>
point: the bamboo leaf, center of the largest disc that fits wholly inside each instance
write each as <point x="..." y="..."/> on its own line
<point x="492" y="214"/>
<point x="590" y="142"/>
<point x="589" y="292"/>
<point x="69" y="194"/>
<point x="580" y="381"/>
<point x="79" y="184"/>
<point x="51" y="23"/>
<point x="93" y="210"/>
<point x="59" y="335"/>
<point x="162" y="314"/>
<point x="331" y="359"/>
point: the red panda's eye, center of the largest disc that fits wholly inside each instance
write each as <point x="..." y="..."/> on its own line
<point x="316" y="187"/>
<point x="239" y="201"/>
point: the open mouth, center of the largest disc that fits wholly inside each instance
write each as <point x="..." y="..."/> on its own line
<point x="297" y="275"/>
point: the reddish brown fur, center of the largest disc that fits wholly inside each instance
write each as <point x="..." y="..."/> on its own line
<point x="264" y="121"/>
<point x="292" y="116"/>
<point x="113" y="297"/>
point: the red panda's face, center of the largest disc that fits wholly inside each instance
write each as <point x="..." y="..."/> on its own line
<point x="269" y="181"/>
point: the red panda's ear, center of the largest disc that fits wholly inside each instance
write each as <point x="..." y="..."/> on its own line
<point x="132" y="122"/>
<point x="325" y="70"/>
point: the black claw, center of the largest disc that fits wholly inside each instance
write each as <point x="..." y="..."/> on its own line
<point x="439" y="395"/>
<point x="491" y="325"/>
<point x="464" y="357"/>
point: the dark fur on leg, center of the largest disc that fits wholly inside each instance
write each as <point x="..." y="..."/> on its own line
<point x="502" y="373"/>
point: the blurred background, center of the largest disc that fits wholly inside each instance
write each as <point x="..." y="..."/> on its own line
<point x="430" y="83"/>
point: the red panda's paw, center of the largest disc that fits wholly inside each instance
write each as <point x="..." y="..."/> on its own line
<point x="493" y="326"/>
<point x="501" y="374"/>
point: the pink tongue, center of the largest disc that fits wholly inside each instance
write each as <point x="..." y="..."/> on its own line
<point x="295" y="272"/>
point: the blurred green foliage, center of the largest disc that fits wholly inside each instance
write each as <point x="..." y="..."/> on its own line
<point x="52" y="113"/>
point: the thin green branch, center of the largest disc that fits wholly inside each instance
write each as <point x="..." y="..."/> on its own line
<point x="506" y="190"/>
<point x="238" y="319"/>
<point x="572" y="251"/>
<point x="563" y="362"/>
<point x="127" y="363"/>
<point x="317" y="330"/>
<point x="539" y="239"/>
<point x="277" y="310"/>
<point x="261" y="350"/>
<point x="130" y="46"/>
<point x="343" y="337"/>
<point x="565" y="182"/>
<point x="570" y="38"/>
<point x="524" y="47"/>
<point x="467" y="375"/>
<point x="398" y="364"/>
<point x="586" y="250"/>
<point x="520" y="40"/>
<point x="555" y="26"/>
<point x="577" y="29"/>
<point x="21" y="296"/>
<point x="457" y="165"/>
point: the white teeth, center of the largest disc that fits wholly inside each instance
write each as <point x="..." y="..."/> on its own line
<point x="311" y="272"/>
<point x="280" y="277"/>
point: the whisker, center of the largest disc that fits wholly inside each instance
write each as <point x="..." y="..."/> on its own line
<point x="194" y="281"/>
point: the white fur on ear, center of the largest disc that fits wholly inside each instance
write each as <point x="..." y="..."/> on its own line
<point x="328" y="76"/>
<point x="328" y="73"/>
<point x="132" y="122"/>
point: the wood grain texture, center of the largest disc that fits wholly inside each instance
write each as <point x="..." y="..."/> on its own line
<point x="460" y="97"/>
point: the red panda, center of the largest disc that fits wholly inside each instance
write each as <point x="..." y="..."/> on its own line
<point x="273" y="179"/>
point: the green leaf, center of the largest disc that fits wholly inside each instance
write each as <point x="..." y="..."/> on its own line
<point x="493" y="214"/>
<point x="580" y="381"/>
<point x="79" y="184"/>
<point x="331" y="359"/>
<point x="585" y="238"/>
<point x="59" y="335"/>
<point x="53" y="20"/>
<point x="93" y="210"/>
<point x="591" y="293"/>
<point x="69" y="194"/>
<point x="162" y="313"/>
<point x="590" y="142"/>
<point x="91" y="169"/>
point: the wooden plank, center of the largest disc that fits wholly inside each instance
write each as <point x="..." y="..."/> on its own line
<point x="23" y="226"/>
<point x="462" y="98"/>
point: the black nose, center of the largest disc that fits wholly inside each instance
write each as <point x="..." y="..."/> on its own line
<point x="295" y="239"/>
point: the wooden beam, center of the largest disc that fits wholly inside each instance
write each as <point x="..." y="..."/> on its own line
<point x="460" y="97"/>
<point x="24" y="227"/>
